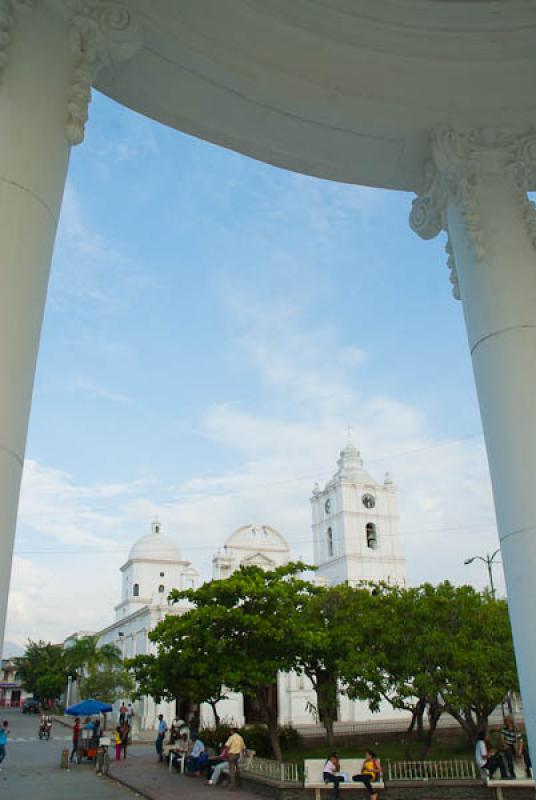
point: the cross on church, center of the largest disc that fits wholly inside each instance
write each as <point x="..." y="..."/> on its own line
<point x="349" y="430"/>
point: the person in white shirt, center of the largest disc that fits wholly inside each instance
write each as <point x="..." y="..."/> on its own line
<point x="487" y="758"/>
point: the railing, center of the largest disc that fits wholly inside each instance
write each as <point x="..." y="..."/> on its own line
<point x="451" y="770"/>
<point x="274" y="770"/>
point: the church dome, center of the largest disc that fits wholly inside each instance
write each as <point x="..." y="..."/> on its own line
<point x="155" y="546"/>
<point x="260" y="537"/>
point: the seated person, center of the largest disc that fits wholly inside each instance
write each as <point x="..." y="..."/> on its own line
<point x="198" y="758"/>
<point x="370" y="772"/>
<point x="223" y="767"/>
<point x="180" y="748"/>
<point x="219" y="765"/>
<point x="488" y="758"/>
<point x="330" y="773"/>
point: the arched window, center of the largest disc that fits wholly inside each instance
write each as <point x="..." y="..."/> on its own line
<point x="136" y="590"/>
<point x="329" y="537"/>
<point x="372" y="536"/>
<point x="161" y="588"/>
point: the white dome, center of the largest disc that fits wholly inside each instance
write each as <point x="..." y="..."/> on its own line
<point x="260" y="537"/>
<point x="155" y="546"/>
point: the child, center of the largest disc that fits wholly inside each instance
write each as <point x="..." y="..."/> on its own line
<point x="330" y="773"/>
<point x="118" y="743"/>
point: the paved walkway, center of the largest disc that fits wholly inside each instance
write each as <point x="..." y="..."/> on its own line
<point x="145" y="775"/>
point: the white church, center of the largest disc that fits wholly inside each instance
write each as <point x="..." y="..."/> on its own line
<point x="356" y="534"/>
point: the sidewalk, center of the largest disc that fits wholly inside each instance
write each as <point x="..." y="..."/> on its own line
<point x="145" y="775"/>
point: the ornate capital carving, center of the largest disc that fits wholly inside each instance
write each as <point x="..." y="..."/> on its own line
<point x="102" y="32"/>
<point x="460" y="162"/>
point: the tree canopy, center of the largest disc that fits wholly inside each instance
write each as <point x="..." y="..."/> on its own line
<point x="42" y="670"/>
<point x="441" y="649"/>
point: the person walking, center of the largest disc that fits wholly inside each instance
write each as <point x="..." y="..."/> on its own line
<point x="76" y="737"/>
<point x="370" y="773"/>
<point x="122" y="713"/>
<point x="4" y="734"/>
<point x="235" y="746"/>
<point x="117" y="738"/>
<point x="131" y="717"/>
<point x="161" y="731"/>
<point x="125" y="733"/>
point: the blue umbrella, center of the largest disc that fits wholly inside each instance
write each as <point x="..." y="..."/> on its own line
<point x="87" y="708"/>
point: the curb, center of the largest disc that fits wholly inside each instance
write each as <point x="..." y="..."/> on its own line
<point x="138" y="792"/>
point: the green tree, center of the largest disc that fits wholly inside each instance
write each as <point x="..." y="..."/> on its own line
<point x="42" y="670"/>
<point x="85" y="656"/>
<point x="444" y="649"/>
<point x="180" y="671"/>
<point x="98" y="670"/>
<point x="335" y="622"/>
<point x="107" y="685"/>
<point x="251" y="625"/>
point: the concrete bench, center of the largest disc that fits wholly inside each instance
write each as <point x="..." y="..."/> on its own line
<point x="314" y="767"/>
<point x="516" y="783"/>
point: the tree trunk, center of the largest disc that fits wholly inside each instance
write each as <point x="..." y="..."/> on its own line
<point x="213" y="704"/>
<point x="467" y="723"/>
<point x="417" y="713"/>
<point x="434" y="714"/>
<point x="269" y="712"/>
<point x="326" y="695"/>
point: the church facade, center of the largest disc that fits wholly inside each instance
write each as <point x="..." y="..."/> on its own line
<point x="356" y="535"/>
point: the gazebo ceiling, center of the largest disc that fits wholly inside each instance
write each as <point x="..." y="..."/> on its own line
<point x="341" y="89"/>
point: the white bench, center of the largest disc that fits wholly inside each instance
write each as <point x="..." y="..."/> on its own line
<point x="516" y="783"/>
<point x="313" y="779"/>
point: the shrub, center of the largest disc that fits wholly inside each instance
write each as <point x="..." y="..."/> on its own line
<point x="255" y="736"/>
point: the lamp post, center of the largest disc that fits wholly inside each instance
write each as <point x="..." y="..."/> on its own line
<point x="488" y="561"/>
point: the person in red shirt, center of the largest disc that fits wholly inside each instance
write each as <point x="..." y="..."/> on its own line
<point x="76" y="736"/>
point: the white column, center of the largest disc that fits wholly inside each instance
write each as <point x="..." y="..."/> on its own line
<point x="50" y="52"/>
<point x="477" y="193"/>
<point x="34" y="153"/>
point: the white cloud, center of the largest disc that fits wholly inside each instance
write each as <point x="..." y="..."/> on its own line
<point x="278" y="452"/>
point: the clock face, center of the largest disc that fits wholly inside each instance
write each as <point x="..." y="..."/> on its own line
<point x="369" y="501"/>
<point x="327" y="506"/>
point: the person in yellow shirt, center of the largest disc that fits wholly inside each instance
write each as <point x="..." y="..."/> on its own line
<point x="370" y="772"/>
<point x="234" y="746"/>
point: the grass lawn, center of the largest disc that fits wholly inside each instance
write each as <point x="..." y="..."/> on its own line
<point x="394" y="746"/>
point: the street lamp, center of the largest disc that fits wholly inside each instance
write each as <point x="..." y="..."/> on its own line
<point x="488" y="561"/>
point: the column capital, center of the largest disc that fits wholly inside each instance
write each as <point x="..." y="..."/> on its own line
<point x="461" y="162"/>
<point x="100" y="33"/>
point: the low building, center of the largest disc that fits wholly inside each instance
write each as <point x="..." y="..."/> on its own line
<point x="12" y="693"/>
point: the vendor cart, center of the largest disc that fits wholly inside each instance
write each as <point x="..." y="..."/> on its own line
<point x="87" y="747"/>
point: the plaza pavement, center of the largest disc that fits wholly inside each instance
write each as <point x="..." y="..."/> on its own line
<point x="143" y="773"/>
<point x="31" y="769"/>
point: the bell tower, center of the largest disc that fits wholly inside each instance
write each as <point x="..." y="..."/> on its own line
<point x="356" y="527"/>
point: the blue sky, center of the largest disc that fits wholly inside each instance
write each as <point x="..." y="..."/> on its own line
<point x="213" y="326"/>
